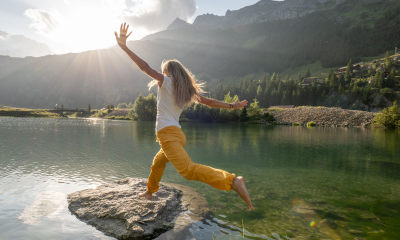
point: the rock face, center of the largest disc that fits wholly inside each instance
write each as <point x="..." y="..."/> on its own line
<point x="325" y="116"/>
<point x="116" y="209"/>
<point x="265" y="10"/>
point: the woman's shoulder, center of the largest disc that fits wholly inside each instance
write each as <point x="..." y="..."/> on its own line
<point x="167" y="81"/>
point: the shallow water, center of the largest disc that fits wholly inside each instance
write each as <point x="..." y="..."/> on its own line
<point x="295" y="175"/>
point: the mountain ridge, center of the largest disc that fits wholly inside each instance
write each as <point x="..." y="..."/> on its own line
<point x="21" y="46"/>
<point x="263" y="11"/>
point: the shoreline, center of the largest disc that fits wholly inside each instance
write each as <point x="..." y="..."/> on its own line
<point x="299" y="116"/>
<point x="324" y="116"/>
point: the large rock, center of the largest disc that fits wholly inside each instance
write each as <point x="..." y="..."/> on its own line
<point x="325" y="116"/>
<point x="116" y="209"/>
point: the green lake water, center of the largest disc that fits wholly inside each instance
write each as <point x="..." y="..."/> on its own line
<point x="348" y="177"/>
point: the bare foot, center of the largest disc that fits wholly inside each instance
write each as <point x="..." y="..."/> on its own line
<point x="146" y="195"/>
<point x="239" y="187"/>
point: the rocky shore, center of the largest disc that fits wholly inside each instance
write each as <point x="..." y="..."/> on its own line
<point x="118" y="211"/>
<point x="324" y="116"/>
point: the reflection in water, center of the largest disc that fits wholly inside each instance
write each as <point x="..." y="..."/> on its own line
<point x="345" y="176"/>
<point x="47" y="204"/>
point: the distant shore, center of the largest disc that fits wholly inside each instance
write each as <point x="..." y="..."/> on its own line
<point x="26" y="112"/>
<point x="321" y="116"/>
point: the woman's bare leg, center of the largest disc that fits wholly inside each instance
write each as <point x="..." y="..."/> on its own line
<point x="239" y="187"/>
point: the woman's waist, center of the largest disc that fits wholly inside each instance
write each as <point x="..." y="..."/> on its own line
<point x="170" y="129"/>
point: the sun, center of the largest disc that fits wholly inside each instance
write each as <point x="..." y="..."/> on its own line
<point x="91" y="27"/>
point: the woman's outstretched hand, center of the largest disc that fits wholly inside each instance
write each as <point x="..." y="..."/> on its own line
<point x="121" y="40"/>
<point x="239" y="105"/>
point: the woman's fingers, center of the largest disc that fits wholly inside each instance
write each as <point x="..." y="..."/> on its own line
<point x="128" y="34"/>
<point x="116" y="34"/>
<point x="120" y="29"/>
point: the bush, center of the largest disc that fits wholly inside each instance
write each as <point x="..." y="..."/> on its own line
<point x="387" y="93"/>
<point x="122" y="105"/>
<point x="358" y="106"/>
<point x="311" y="124"/>
<point x="254" y="109"/>
<point x="296" y="124"/>
<point x="388" y="117"/>
<point x="268" y="117"/>
<point x="100" y="113"/>
<point x="144" y="108"/>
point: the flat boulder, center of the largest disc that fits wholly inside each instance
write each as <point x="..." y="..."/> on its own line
<point x="118" y="211"/>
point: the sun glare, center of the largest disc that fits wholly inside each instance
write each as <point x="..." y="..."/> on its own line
<point x="91" y="27"/>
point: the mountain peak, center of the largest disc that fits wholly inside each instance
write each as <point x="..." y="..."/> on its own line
<point x="177" y="23"/>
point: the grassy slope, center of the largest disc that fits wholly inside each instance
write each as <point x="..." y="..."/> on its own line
<point x="352" y="11"/>
<point x="316" y="70"/>
<point x="6" y="111"/>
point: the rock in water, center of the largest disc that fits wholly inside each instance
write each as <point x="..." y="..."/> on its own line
<point x="118" y="211"/>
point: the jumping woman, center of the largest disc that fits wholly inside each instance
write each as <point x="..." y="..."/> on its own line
<point x="177" y="89"/>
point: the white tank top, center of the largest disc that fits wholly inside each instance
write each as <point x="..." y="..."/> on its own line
<point x="167" y="111"/>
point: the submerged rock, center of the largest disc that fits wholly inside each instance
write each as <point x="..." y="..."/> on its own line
<point x="118" y="211"/>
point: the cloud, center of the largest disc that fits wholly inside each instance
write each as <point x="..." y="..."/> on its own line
<point x="43" y="21"/>
<point x="156" y="15"/>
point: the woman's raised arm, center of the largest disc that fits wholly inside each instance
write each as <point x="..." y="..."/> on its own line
<point x="218" y="104"/>
<point x="139" y="62"/>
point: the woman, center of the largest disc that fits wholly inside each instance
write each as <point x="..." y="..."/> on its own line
<point x="177" y="88"/>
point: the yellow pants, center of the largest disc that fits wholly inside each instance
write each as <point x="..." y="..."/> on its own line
<point x="172" y="142"/>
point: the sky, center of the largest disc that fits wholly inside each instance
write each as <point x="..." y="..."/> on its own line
<point x="80" y="25"/>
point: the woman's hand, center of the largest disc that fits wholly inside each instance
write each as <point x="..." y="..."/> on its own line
<point x="121" y="40"/>
<point x="239" y="105"/>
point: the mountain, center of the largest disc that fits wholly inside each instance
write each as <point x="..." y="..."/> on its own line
<point x="177" y="23"/>
<point x="21" y="46"/>
<point x="351" y="30"/>
<point x="265" y="10"/>
<point x="100" y="77"/>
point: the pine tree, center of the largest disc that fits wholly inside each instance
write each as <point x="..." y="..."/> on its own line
<point x="340" y="90"/>
<point x="332" y="79"/>
<point x="285" y="98"/>
<point x="243" y="115"/>
<point x="254" y="109"/>
<point x="342" y="81"/>
<point x="388" y="61"/>
<point x="273" y="78"/>
<point x="89" y="108"/>
<point x="308" y="73"/>
<point x="349" y="72"/>
<point x="295" y="97"/>
<point x="378" y="82"/>
<point x="366" y="94"/>
<point x="391" y="80"/>
<point x="338" y="103"/>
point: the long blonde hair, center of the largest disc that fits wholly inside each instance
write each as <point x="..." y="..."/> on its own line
<point x="186" y="87"/>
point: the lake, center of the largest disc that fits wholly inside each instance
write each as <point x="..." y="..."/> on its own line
<point x="347" y="179"/>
